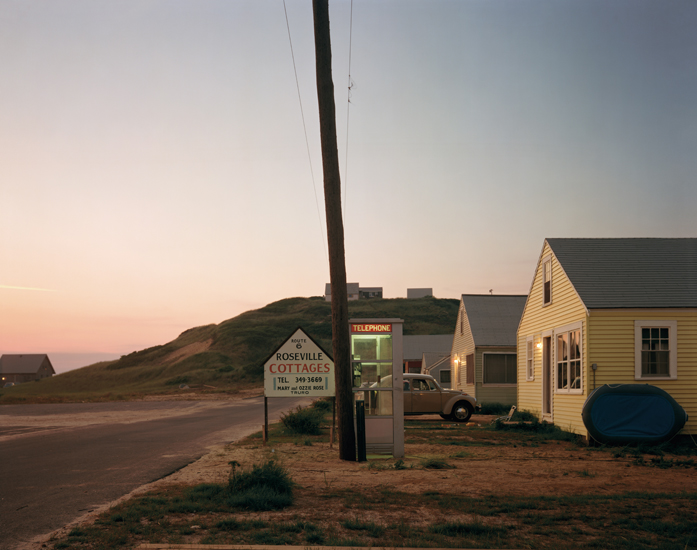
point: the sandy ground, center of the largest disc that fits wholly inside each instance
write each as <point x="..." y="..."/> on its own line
<point x="554" y="468"/>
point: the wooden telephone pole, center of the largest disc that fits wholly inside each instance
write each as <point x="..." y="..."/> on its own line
<point x="335" y="231"/>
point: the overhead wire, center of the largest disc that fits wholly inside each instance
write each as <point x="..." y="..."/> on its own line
<point x="307" y="143"/>
<point x="348" y="109"/>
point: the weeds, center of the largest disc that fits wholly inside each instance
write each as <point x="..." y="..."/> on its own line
<point x="436" y="464"/>
<point x="303" y="421"/>
<point x="541" y="430"/>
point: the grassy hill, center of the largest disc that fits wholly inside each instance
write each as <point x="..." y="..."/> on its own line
<point x="229" y="356"/>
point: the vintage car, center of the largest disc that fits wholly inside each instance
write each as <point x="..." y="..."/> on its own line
<point x="423" y="395"/>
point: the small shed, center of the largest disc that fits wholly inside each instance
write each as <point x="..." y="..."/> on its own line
<point x="18" y="368"/>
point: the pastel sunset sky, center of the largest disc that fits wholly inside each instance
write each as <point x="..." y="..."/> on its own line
<point x="155" y="176"/>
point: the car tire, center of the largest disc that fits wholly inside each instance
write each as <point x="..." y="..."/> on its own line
<point x="461" y="411"/>
<point x="445" y="416"/>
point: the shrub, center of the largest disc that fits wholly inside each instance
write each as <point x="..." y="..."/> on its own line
<point x="495" y="408"/>
<point x="303" y="421"/>
<point x="323" y="405"/>
<point x="265" y="487"/>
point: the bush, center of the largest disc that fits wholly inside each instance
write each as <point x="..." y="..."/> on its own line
<point x="266" y="487"/>
<point x="270" y="474"/>
<point x="495" y="408"/>
<point x="303" y="421"/>
<point x="322" y="405"/>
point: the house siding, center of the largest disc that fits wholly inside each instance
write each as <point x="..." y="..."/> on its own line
<point x="507" y="394"/>
<point x="463" y="345"/>
<point x="611" y="342"/>
<point x="565" y="309"/>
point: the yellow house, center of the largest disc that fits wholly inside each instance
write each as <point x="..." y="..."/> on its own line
<point x="608" y="311"/>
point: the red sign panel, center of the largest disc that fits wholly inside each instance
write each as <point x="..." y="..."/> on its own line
<point x="371" y="327"/>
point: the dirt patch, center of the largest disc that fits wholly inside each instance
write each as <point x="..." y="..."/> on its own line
<point x="482" y="463"/>
<point x="486" y="467"/>
<point x="188" y="351"/>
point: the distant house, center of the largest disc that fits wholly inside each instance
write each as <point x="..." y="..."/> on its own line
<point x="484" y="347"/>
<point x="419" y="292"/>
<point x="25" y="368"/>
<point x="415" y="346"/>
<point x="355" y="292"/>
<point x="608" y="311"/>
<point x="438" y="366"/>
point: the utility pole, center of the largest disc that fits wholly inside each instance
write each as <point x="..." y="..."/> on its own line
<point x="335" y="231"/>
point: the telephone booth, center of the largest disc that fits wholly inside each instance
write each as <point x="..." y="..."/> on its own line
<point x="376" y="360"/>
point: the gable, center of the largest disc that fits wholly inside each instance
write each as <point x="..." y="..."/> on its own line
<point x="565" y="304"/>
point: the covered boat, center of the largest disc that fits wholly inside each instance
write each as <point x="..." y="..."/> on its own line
<point x="632" y="413"/>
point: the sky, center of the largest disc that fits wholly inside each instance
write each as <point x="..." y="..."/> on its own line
<point x="160" y="165"/>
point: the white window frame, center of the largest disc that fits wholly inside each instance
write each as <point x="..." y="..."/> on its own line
<point x="672" y="326"/>
<point x="529" y="359"/>
<point x="555" y="363"/>
<point x="502" y="384"/>
<point x="547" y="260"/>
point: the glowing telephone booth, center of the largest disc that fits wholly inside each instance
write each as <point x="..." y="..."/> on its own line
<point x="376" y="361"/>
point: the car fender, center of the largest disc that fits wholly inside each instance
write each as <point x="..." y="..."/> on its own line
<point x="448" y="408"/>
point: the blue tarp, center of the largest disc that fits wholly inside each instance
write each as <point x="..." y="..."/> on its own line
<point x="632" y="413"/>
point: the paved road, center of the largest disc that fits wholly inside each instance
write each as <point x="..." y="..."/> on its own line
<point x="52" y="471"/>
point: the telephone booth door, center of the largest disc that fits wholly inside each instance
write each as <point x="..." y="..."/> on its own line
<point x="376" y="361"/>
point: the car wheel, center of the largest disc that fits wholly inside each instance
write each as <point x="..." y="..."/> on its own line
<point x="461" y="412"/>
<point x="445" y="416"/>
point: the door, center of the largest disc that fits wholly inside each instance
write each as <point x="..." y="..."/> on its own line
<point x="425" y="396"/>
<point x="547" y="375"/>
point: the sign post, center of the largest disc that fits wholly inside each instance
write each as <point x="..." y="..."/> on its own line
<point x="298" y="368"/>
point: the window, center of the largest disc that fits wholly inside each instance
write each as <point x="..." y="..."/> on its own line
<point x="462" y="322"/>
<point x="420" y="384"/>
<point x="569" y="361"/>
<point x="445" y="376"/>
<point x="529" y="359"/>
<point x="655" y="350"/>
<point x="499" y="368"/>
<point x="546" y="281"/>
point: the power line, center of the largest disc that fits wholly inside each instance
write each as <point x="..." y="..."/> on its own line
<point x="307" y="143"/>
<point x="348" y="108"/>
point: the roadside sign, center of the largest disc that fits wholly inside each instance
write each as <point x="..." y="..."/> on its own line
<point x="299" y="368"/>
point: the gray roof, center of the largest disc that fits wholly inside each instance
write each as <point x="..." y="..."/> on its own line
<point x="494" y="318"/>
<point x="28" y="363"/>
<point x="630" y="273"/>
<point x="415" y="346"/>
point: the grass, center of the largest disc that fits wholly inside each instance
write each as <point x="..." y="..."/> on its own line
<point x="627" y="521"/>
<point x="232" y="353"/>
<point x="382" y="516"/>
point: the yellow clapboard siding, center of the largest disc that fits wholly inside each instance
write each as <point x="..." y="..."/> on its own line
<point x="565" y="308"/>
<point x="611" y="337"/>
